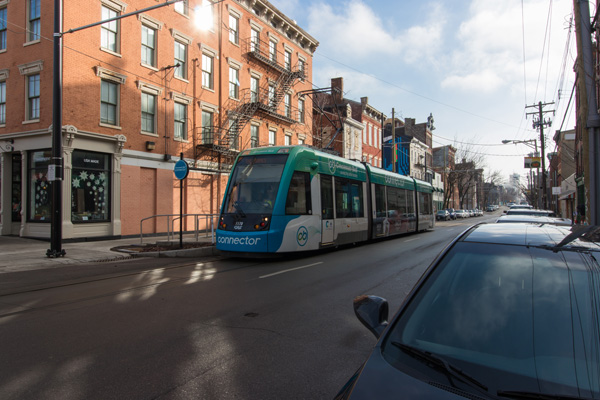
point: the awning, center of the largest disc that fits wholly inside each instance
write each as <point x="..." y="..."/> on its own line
<point x="569" y="194"/>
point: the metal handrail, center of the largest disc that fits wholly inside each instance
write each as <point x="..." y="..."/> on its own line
<point x="171" y="218"/>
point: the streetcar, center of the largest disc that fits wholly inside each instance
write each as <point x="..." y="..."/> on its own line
<point x="291" y="199"/>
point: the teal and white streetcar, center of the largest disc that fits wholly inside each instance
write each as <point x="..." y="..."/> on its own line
<point x="294" y="198"/>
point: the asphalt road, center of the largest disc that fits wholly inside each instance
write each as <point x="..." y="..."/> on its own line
<point x="217" y="329"/>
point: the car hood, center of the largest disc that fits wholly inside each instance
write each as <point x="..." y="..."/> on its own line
<point x="379" y="380"/>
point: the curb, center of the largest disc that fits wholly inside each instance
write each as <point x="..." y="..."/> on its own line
<point x="179" y="253"/>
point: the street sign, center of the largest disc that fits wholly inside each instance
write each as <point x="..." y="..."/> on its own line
<point x="181" y="169"/>
<point x="533" y="162"/>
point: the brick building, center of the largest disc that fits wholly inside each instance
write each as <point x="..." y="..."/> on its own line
<point x="138" y="92"/>
<point x="350" y="128"/>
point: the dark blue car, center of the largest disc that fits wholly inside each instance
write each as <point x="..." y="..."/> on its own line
<point x="507" y="311"/>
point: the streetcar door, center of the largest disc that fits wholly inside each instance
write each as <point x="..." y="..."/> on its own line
<point x="327" y="225"/>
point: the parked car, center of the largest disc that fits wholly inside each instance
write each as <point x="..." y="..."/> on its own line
<point x="490" y="209"/>
<point x="534" y="219"/>
<point x="462" y="214"/>
<point x="530" y="211"/>
<point x="506" y="311"/>
<point x="452" y="212"/>
<point x="442" y="215"/>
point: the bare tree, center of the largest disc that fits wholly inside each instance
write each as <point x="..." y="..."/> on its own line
<point x="467" y="170"/>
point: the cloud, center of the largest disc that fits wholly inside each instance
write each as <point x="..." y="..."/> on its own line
<point x="353" y="31"/>
<point x="488" y="54"/>
<point x="486" y="81"/>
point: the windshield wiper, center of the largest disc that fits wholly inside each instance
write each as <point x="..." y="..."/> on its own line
<point x="515" y="394"/>
<point x="450" y="370"/>
<point x="238" y="209"/>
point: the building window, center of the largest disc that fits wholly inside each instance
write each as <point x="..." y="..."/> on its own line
<point x="3" y="28"/>
<point x="2" y="103"/>
<point x="16" y="187"/>
<point x="234" y="83"/>
<point x="33" y="24"/>
<point x="254" y="40"/>
<point x="300" y="141"/>
<point x="148" y="46"/>
<point x="254" y="89"/>
<point x="301" y="67"/>
<point x="288" y="106"/>
<point x="39" y="192"/>
<point x="301" y="110"/>
<point x="272" y="99"/>
<point x="109" y="103"/>
<point x="181" y="59"/>
<point x="234" y="26"/>
<point x="33" y="97"/>
<point x="234" y="132"/>
<point x="110" y="30"/>
<point x="207" y="71"/>
<point x="287" y="140"/>
<point x="180" y="115"/>
<point x="205" y="16"/>
<point x="271" y="138"/>
<point x="287" y="60"/>
<point x="148" y="113"/>
<point x="207" y="127"/>
<point x="182" y="7"/>
<point x="254" y="136"/>
<point x="273" y="51"/>
<point x="90" y="187"/>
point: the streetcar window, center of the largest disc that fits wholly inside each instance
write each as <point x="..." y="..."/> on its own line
<point x="298" y="197"/>
<point x="254" y="184"/>
<point x="380" y="201"/>
<point x="425" y="203"/>
<point x="398" y="204"/>
<point x="348" y="198"/>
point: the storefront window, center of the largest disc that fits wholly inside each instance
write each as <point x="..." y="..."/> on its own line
<point x="16" y="187"/>
<point x="90" y="187"/>
<point x="39" y="204"/>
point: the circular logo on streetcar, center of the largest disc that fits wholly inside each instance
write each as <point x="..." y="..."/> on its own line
<point x="332" y="166"/>
<point x="302" y="236"/>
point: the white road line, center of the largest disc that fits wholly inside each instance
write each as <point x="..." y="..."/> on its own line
<point x="289" y="270"/>
<point x="409" y="240"/>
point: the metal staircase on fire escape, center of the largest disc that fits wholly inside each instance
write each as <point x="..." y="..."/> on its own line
<point x="223" y="142"/>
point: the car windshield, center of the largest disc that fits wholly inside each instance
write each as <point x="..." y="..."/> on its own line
<point x="254" y="184"/>
<point x="516" y="318"/>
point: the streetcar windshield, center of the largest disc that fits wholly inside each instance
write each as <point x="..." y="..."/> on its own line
<point x="254" y="184"/>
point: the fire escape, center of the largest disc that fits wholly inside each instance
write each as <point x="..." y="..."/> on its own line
<point x="222" y="144"/>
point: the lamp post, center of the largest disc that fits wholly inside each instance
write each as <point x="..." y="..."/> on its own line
<point x="533" y="146"/>
<point x="55" y="168"/>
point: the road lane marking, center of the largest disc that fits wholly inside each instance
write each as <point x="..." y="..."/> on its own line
<point x="289" y="270"/>
<point x="410" y="240"/>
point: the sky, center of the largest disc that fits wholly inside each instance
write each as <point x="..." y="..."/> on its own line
<point x="473" y="64"/>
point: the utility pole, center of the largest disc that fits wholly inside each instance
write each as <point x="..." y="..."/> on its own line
<point x="393" y="143"/>
<point x="539" y="122"/>
<point x="589" y="117"/>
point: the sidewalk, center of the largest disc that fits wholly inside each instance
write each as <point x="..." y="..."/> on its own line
<point x="21" y="254"/>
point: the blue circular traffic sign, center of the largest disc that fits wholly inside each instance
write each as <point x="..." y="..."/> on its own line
<point x="181" y="170"/>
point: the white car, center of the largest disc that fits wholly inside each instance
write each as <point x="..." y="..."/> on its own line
<point x="534" y="219"/>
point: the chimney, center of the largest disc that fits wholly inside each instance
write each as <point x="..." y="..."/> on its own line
<point x="337" y="90"/>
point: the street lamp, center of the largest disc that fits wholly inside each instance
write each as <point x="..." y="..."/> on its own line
<point x="55" y="168"/>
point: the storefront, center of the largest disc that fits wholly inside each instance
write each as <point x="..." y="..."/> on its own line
<point x="91" y="185"/>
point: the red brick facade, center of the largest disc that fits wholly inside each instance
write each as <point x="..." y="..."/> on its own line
<point x="137" y="93"/>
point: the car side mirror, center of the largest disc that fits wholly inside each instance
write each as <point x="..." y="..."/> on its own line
<point x="373" y="312"/>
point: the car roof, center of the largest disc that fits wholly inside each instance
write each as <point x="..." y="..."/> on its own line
<point x="528" y="234"/>
<point x="536" y="219"/>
